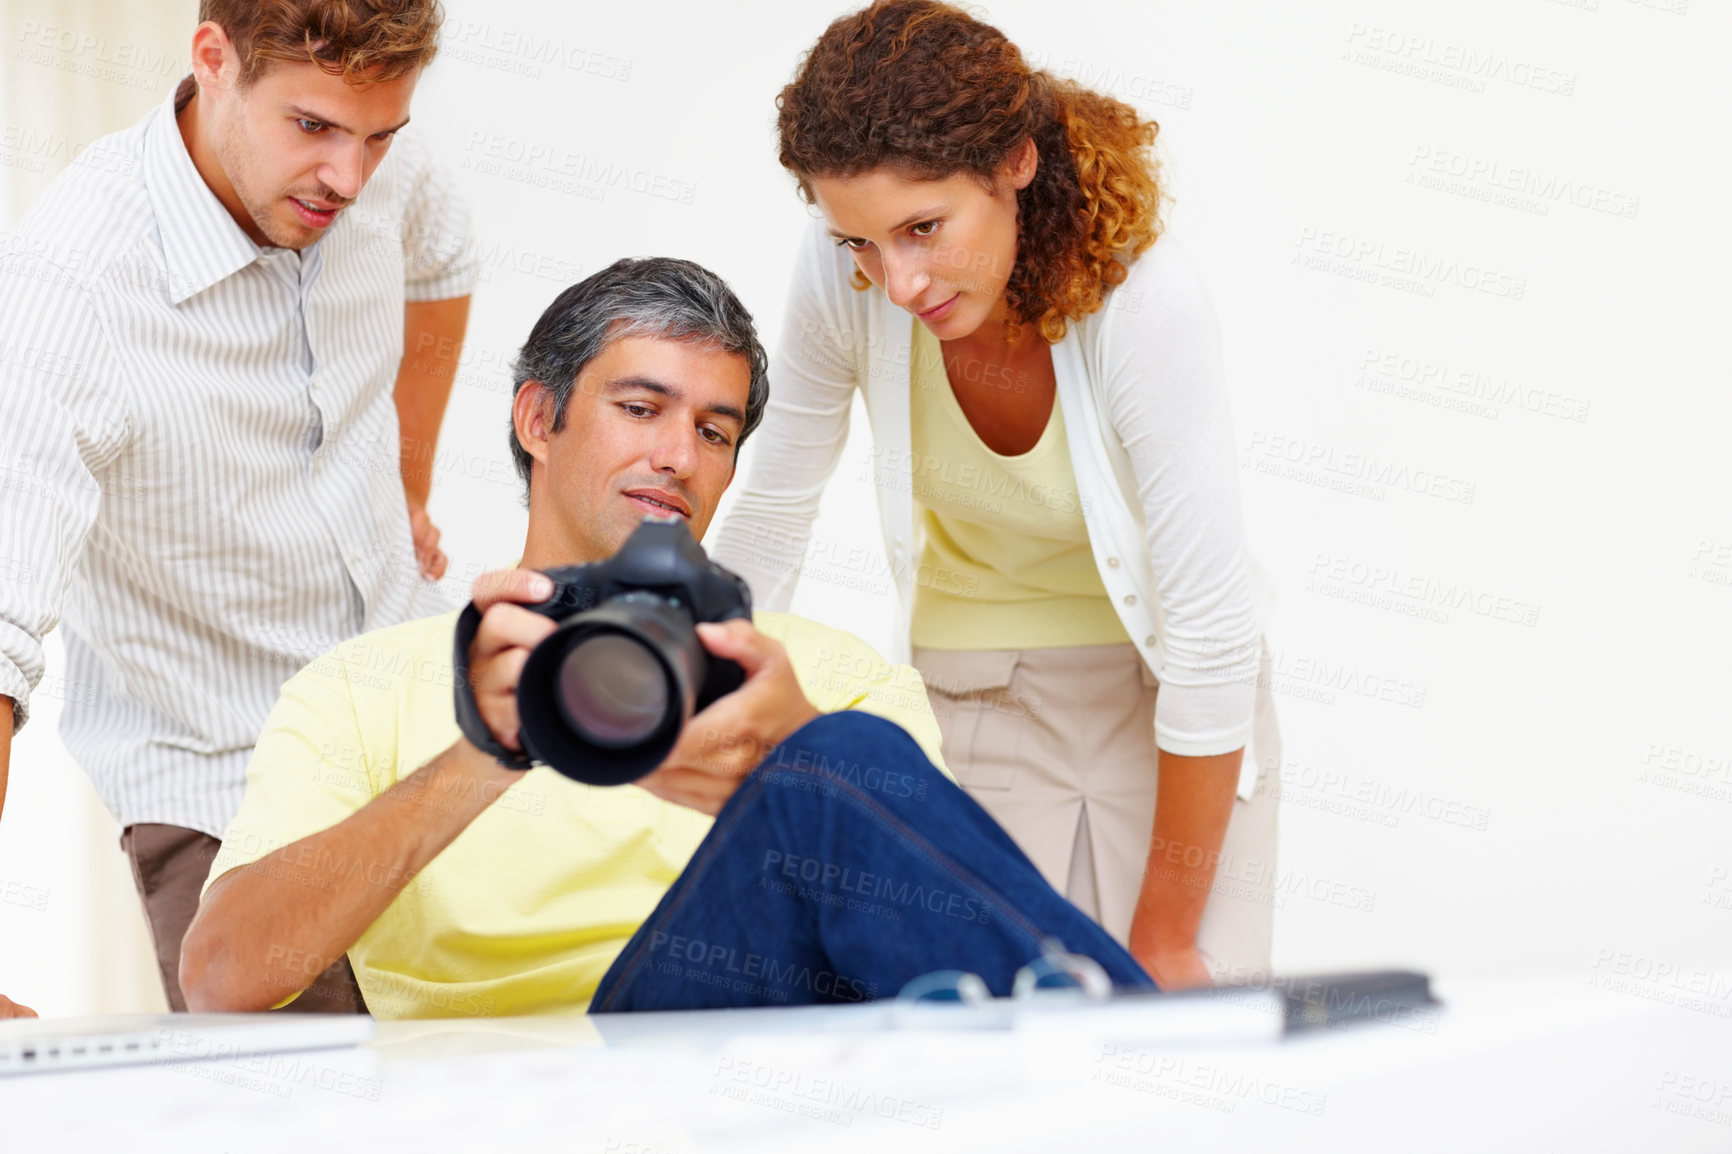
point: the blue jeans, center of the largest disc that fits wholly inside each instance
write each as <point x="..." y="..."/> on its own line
<point x="843" y="867"/>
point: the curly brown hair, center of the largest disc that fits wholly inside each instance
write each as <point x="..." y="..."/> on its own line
<point x="359" y="40"/>
<point x="923" y="87"/>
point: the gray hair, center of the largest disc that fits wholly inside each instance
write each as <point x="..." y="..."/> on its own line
<point x="654" y="297"/>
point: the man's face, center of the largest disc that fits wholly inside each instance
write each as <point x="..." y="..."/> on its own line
<point x="650" y="430"/>
<point x="298" y="144"/>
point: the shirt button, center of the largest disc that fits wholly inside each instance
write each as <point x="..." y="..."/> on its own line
<point x="1112" y="562"/>
<point x="1130" y="599"/>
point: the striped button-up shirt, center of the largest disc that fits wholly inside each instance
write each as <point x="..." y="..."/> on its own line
<point x="199" y="455"/>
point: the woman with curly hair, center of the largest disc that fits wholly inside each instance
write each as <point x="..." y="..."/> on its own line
<point x="1053" y="457"/>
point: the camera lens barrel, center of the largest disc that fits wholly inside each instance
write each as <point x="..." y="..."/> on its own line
<point x="613" y="689"/>
<point x="605" y="696"/>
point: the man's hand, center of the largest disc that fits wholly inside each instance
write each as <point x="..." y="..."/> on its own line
<point x="502" y="643"/>
<point x="425" y="533"/>
<point x="8" y="1008"/>
<point x="432" y="346"/>
<point x="725" y="742"/>
<point x="11" y="1009"/>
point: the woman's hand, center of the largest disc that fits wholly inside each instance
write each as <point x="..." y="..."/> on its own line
<point x="1178" y="969"/>
<point x="11" y="1009"/>
<point x="1194" y="802"/>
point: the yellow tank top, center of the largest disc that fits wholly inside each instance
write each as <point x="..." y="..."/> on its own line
<point x="1004" y="552"/>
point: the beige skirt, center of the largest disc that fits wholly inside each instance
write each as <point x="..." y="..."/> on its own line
<point x="1058" y="745"/>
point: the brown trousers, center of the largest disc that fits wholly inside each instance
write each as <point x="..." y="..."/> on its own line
<point x="169" y="866"/>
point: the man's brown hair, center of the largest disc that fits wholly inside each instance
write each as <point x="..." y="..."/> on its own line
<point x="359" y="40"/>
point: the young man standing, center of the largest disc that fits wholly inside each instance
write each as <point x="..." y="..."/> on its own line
<point x="206" y="411"/>
<point x="841" y="862"/>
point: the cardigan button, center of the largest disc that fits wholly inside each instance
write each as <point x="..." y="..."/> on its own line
<point x="1130" y="599"/>
<point x="1149" y="641"/>
<point x="1112" y="562"/>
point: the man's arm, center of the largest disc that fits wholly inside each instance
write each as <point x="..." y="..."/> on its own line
<point x="5" y="748"/>
<point x="249" y="947"/>
<point x="1194" y="800"/>
<point x="432" y="340"/>
<point x="267" y="930"/>
<point x="8" y="1008"/>
<point x="65" y="413"/>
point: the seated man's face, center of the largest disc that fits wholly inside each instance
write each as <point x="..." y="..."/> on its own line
<point x="649" y="431"/>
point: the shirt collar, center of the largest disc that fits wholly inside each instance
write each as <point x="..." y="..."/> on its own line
<point x="201" y="242"/>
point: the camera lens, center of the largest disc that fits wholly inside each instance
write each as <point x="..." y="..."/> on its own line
<point x="613" y="690"/>
<point x="604" y="698"/>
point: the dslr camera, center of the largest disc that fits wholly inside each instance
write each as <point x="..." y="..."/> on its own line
<point x="604" y="697"/>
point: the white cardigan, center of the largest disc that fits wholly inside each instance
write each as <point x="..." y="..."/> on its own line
<point x="1145" y="406"/>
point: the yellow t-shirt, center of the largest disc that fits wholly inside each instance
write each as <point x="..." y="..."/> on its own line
<point x="1005" y="561"/>
<point x="525" y="910"/>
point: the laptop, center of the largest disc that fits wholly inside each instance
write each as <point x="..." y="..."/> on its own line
<point x="30" y="1045"/>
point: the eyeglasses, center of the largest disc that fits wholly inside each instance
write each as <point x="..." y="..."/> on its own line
<point x="1055" y="972"/>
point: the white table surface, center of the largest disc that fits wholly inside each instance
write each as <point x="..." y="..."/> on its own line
<point x="1530" y="1065"/>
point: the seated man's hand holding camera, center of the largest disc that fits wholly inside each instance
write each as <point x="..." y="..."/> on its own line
<point x="717" y="748"/>
<point x="502" y="643"/>
<point x="727" y="741"/>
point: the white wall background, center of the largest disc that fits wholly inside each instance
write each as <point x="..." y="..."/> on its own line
<point x="1470" y="262"/>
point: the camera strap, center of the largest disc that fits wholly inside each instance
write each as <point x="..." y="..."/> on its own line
<point x="463" y="688"/>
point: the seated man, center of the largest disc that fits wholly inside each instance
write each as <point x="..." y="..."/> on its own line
<point x="841" y="862"/>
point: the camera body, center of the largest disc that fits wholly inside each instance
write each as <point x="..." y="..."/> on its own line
<point x="604" y="697"/>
